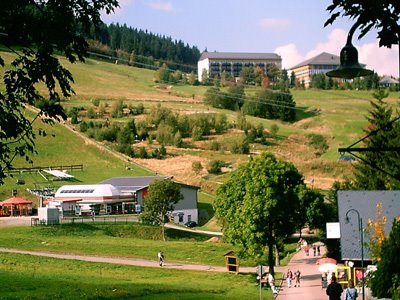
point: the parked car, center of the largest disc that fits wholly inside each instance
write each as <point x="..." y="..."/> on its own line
<point x="346" y="158"/>
<point x="190" y="224"/>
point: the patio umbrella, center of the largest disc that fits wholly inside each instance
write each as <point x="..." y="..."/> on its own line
<point x="326" y="260"/>
<point x="327" y="267"/>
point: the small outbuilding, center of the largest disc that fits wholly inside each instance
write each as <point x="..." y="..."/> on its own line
<point x="231" y="262"/>
<point x="15" y="206"/>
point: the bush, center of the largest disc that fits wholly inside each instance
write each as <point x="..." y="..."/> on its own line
<point x="96" y="102"/>
<point x="215" y="166"/>
<point x="240" y="146"/>
<point x="319" y="143"/>
<point x="274" y="130"/>
<point x="215" y="146"/>
<point x="197" y="167"/>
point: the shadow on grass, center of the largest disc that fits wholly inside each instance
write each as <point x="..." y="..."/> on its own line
<point x="304" y="112"/>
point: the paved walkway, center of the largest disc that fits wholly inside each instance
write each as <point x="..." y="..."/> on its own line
<point x="310" y="284"/>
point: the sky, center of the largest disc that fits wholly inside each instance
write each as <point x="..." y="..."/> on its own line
<point x="294" y="29"/>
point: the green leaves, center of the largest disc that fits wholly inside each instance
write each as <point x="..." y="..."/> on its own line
<point x="259" y="203"/>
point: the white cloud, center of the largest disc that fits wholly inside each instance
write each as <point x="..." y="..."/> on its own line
<point x="274" y="24"/>
<point x="382" y="60"/>
<point x="290" y="55"/>
<point x="165" y="6"/>
<point x="336" y="41"/>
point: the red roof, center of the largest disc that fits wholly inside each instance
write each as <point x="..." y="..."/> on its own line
<point x="15" y="201"/>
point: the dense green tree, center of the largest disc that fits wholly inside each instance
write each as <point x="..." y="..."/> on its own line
<point x="258" y="205"/>
<point x="318" y="81"/>
<point x="160" y="200"/>
<point x="292" y="79"/>
<point x="34" y="31"/>
<point x="385" y="281"/>
<point x="247" y="75"/>
<point x="378" y="169"/>
<point x="271" y="105"/>
<point x="382" y="15"/>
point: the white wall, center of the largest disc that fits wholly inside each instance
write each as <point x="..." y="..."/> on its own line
<point x="201" y="65"/>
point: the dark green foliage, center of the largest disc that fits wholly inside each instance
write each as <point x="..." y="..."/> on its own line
<point x="215" y="166"/>
<point x="126" y="149"/>
<point x="91" y="113"/>
<point x="240" y="145"/>
<point x="318" y="81"/>
<point x="258" y="205"/>
<point x="271" y="105"/>
<point x="34" y="31"/>
<point x="382" y="15"/>
<point x="142" y="153"/>
<point x="274" y="130"/>
<point x="318" y="142"/>
<point x="379" y="170"/>
<point x="136" y="110"/>
<point x="96" y="102"/>
<point x="385" y="281"/>
<point x="197" y="167"/>
<point x="141" y="48"/>
<point x="214" y="146"/>
<point x="163" y="194"/>
<point x="233" y="99"/>
<point x="118" y="109"/>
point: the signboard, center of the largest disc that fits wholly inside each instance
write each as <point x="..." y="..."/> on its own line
<point x="333" y="230"/>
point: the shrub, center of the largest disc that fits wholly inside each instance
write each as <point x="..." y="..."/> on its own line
<point x="215" y="166"/>
<point x="96" y="102"/>
<point x="240" y="146"/>
<point x="91" y="113"/>
<point x="318" y="142"/>
<point x="215" y="146"/>
<point x="274" y="130"/>
<point x="197" y="167"/>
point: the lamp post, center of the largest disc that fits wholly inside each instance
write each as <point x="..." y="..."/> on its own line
<point x="349" y="67"/>
<point x="360" y="229"/>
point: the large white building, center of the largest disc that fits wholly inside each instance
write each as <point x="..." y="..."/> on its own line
<point x="121" y="195"/>
<point x="214" y="63"/>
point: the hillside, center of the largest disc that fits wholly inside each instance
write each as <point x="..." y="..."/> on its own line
<point x="338" y="116"/>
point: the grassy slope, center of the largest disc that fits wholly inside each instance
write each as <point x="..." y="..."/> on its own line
<point x="338" y="115"/>
<point x="27" y="277"/>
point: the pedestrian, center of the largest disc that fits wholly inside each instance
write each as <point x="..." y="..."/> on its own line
<point x="350" y="293"/>
<point x="289" y="277"/>
<point x="160" y="258"/>
<point x="319" y="250"/>
<point x="324" y="280"/>
<point x="315" y="250"/>
<point x="334" y="289"/>
<point x="297" y="277"/>
<point x="306" y="249"/>
<point x="271" y="282"/>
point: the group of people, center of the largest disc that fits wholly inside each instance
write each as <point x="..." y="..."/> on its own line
<point x="290" y="276"/>
<point x="335" y="290"/>
<point x="315" y="247"/>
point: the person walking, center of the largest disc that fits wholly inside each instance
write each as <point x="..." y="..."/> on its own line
<point x="297" y="277"/>
<point x="160" y="258"/>
<point x="334" y="289"/>
<point x="289" y="277"/>
<point x="350" y="293"/>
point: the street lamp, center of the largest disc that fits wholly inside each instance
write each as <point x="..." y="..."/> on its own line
<point x="360" y="229"/>
<point x="349" y="67"/>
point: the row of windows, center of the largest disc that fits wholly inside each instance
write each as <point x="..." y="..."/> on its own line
<point x="77" y="191"/>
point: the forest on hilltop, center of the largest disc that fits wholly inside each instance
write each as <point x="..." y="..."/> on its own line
<point x="140" y="47"/>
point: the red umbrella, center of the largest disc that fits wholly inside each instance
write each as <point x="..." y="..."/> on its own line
<point x="326" y="260"/>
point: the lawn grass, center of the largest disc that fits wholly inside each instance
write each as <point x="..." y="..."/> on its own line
<point x="130" y="241"/>
<point x="30" y="277"/>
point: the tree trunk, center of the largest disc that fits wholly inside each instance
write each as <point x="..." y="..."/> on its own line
<point x="277" y="260"/>
<point x="163" y="231"/>
<point x="270" y="251"/>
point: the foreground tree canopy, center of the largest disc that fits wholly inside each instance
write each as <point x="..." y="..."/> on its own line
<point x="34" y="30"/>
<point x="259" y="204"/>
<point x="384" y="15"/>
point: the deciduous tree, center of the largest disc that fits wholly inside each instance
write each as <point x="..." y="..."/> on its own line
<point x="33" y="31"/>
<point x="162" y="196"/>
<point x="258" y="204"/>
